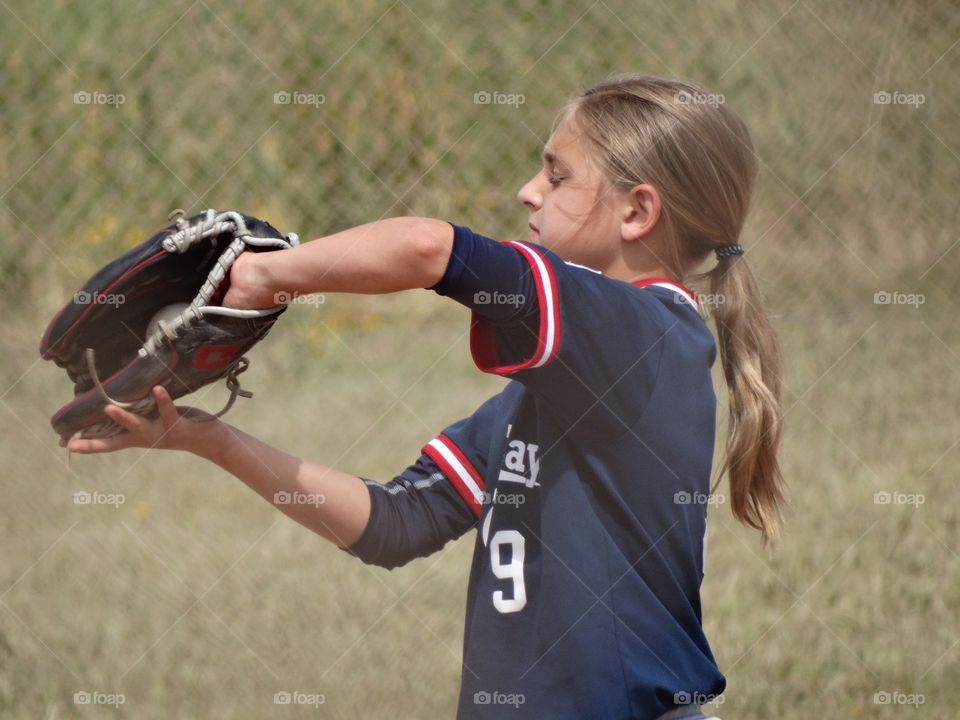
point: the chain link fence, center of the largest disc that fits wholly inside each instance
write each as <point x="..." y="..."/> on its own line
<point x="320" y="115"/>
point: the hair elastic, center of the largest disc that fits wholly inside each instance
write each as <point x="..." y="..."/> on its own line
<point x="729" y="250"/>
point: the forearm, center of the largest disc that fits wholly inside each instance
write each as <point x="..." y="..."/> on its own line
<point x="379" y="257"/>
<point x="334" y="504"/>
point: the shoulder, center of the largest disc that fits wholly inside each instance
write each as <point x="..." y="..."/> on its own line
<point x="580" y="288"/>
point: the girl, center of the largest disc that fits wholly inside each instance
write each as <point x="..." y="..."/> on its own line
<point x="587" y="477"/>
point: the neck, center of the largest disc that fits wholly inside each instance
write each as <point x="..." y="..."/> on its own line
<point x="641" y="260"/>
<point x="620" y="270"/>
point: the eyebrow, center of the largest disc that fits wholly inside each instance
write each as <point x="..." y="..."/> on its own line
<point x="551" y="157"/>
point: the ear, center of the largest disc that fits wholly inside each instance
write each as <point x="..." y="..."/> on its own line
<point x="640" y="212"/>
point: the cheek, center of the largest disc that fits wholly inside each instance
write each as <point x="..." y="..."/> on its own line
<point x="576" y="209"/>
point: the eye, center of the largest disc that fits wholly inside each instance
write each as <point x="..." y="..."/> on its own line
<point x="554" y="180"/>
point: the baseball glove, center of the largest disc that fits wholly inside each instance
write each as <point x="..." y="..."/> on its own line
<point x="153" y="316"/>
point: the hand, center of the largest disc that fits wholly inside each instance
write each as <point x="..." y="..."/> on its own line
<point x="171" y="431"/>
<point x="249" y="289"/>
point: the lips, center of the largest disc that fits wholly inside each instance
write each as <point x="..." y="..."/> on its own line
<point x="534" y="228"/>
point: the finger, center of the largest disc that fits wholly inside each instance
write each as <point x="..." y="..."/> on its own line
<point x="168" y="413"/>
<point x="126" y="419"/>
<point x="83" y="446"/>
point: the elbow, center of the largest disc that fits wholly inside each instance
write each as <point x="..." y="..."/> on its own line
<point x="387" y="563"/>
<point x="431" y="242"/>
<point x="388" y="555"/>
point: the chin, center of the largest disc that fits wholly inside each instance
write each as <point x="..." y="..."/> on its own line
<point x="539" y="239"/>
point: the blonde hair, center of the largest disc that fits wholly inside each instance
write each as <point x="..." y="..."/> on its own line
<point x="698" y="154"/>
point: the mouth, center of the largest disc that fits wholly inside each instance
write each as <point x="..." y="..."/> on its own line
<point x="534" y="228"/>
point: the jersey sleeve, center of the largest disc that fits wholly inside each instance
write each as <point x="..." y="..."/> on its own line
<point x="434" y="500"/>
<point x="587" y="345"/>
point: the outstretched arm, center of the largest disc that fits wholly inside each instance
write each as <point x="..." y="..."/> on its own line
<point x="332" y="503"/>
<point x="380" y="257"/>
<point x="385" y="256"/>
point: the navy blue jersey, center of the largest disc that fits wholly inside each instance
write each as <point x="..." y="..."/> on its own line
<point x="587" y="479"/>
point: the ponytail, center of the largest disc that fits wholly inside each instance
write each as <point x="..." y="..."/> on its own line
<point x="751" y="361"/>
<point x="700" y="157"/>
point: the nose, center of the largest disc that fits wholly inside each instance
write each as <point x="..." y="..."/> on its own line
<point x="530" y="195"/>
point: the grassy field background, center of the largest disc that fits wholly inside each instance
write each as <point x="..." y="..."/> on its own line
<point x="193" y="598"/>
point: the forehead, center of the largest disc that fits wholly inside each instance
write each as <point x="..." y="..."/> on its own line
<point x="564" y="145"/>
